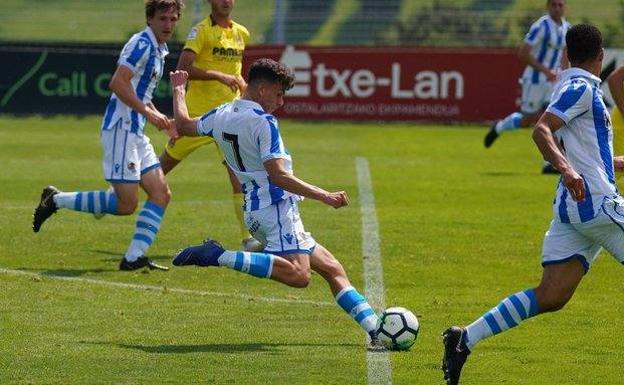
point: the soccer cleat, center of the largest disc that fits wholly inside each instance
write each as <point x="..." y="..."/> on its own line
<point x="46" y="207"/>
<point x="549" y="169"/>
<point x="455" y="354"/>
<point x="206" y="254"/>
<point x="251" y="244"/>
<point x="491" y="136"/>
<point x="126" y="265"/>
<point x="375" y="345"/>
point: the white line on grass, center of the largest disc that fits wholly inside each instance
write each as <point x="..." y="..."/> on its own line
<point x="379" y="368"/>
<point x="163" y="289"/>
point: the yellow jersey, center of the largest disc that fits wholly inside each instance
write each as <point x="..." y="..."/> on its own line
<point x="220" y="49"/>
<point x="617" y="121"/>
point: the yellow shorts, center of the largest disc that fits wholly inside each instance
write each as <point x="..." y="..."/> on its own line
<point x="183" y="146"/>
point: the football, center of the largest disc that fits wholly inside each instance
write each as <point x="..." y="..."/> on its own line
<point x="397" y="328"/>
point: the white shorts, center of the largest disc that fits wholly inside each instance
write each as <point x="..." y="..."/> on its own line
<point x="127" y="156"/>
<point x="279" y="228"/>
<point x="535" y="96"/>
<point x="583" y="241"/>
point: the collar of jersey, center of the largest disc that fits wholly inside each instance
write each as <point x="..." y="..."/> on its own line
<point x="552" y="21"/>
<point x="161" y="47"/>
<point x="213" y="23"/>
<point x="246" y="103"/>
<point x="579" y="72"/>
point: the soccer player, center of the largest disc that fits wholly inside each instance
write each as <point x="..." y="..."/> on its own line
<point x="251" y="142"/>
<point x="129" y="158"/>
<point x="574" y="134"/>
<point x="543" y="54"/>
<point x="212" y="56"/>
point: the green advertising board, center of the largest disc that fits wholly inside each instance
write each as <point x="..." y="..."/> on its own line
<point x="65" y="79"/>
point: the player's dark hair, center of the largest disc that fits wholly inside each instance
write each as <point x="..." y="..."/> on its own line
<point x="584" y="43"/>
<point x="151" y="6"/>
<point x="271" y="71"/>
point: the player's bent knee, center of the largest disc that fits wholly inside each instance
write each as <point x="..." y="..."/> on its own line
<point x="126" y="207"/>
<point x="162" y="197"/>
<point x="301" y="279"/>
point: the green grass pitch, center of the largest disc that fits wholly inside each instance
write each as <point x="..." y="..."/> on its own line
<point x="460" y="227"/>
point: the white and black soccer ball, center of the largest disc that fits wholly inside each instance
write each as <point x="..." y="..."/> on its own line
<point x="397" y="328"/>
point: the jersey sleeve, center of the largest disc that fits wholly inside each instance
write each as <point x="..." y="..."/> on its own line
<point x="205" y="124"/>
<point x="134" y="54"/>
<point x="572" y="101"/>
<point x="246" y="35"/>
<point x="195" y="39"/>
<point x="535" y="34"/>
<point x="270" y="140"/>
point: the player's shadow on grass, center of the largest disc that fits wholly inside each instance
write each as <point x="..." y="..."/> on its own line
<point x="116" y="257"/>
<point x="68" y="272"/>
<point x="218" y="348"/>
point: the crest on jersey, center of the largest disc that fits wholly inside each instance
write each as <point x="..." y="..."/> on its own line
<point x="192" y="34"/>
<point x="132" y="166"/>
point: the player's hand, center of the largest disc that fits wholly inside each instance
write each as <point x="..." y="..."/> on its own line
<point x="172" y="133"/>
<point x="242" y="85"/>
<point x="234" y="82"/>
<point x="551" y="75"/>
<point x="618" y="163"/>
<point x="336" y="199"/>
<point x="575" y="184"/>
<point x="161" y="121"/>
<point x="178" y="78"/>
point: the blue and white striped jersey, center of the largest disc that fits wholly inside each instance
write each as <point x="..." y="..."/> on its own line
<point x="146" y="58"/>
<point x="547" y="39"/>
<point x="587" y="141"/>
<point x="248" y="137"/>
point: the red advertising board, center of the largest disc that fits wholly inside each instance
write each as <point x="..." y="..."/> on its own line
<point x="426" y="84"/>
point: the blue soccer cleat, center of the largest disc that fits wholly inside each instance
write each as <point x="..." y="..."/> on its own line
<point x="206" y="254"/>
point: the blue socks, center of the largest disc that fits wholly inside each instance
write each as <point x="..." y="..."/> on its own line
<point x="511" y="122"/>
<point x="147" y="226"/>
<point x="358" y="308"/>
<point x="96" y="202"/>
<point x="257" y="264"/>
<point x="508" y="314"/>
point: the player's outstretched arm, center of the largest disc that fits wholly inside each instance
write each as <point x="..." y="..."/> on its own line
<point x="616" y="86"/>
<point x="525" y="56"/>
<point x="618" y="163"/>
<point x="121" y="85"/>
<point x="281" y="178"/>
<point x="184" y="124"/>
<point x="185" y="63"/>
<point x="543" y="137"/>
